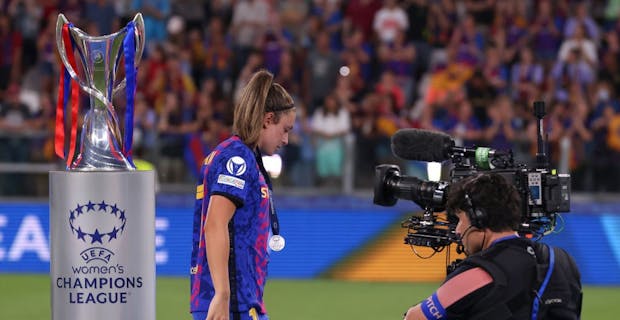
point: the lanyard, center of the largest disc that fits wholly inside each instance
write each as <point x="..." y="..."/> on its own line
<point x="273" y="216"/>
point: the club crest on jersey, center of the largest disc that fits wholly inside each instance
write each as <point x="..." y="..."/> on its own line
<point x="236" y="166"/>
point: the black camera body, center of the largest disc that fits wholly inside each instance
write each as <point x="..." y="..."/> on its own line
<point x="544" y="193"/>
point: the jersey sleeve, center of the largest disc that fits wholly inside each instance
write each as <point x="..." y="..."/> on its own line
<point x="232" y="175"/>
<point x="457" y="294"/>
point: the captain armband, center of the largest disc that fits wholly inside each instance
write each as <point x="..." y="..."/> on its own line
<point x="432" y="308"/>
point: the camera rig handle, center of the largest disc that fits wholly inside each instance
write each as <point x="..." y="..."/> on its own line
<point x="542" y="160"/>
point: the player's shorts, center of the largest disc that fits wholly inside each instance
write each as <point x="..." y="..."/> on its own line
<point x="252" y="314"/>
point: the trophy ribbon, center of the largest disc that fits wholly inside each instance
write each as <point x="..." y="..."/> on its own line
<point x="65" y="84"/>
<point x="129" y="50"/>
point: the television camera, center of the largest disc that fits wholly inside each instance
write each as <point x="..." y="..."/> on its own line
<point x="544" y="193"/>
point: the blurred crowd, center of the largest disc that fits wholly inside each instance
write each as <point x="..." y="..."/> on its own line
<point x="359" y="70"/>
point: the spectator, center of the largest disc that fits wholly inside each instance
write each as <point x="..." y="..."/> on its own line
<point x="481" y="10"/>
<point x="509" y="28"/>
<point x="172" y="132"/>
<point x="582" y="46"/>
<point x="74" y="11"/>
<point x="102" y="14"/>
<point x="321" y="71"/>
<point x="417" y="33"/>
<point x="299" y="153"/>
<point x="15" y="140"/>
<point x="501" y="129"/>
<point x="466" y="130"/>
<point x="359" y="14"/>
<point x="293" y="14"/>
<point x="145" y="130"/>
<point x="357" y="56"/>
<point x="610" y="71"/>
<point x="389" y="119"/>
<point x="218" y="56"/>
<point x="254" y="63"/>
<point x="441" y="21"/>
<point x="526" y="77"/>
<point x="174" y="78"/>
<point x="363" y="125"/>
<point x="447" y="80"/>
<point x="579" y="135"/>
<point x="195" y="46"/>
<point x="389" y="20"/>
<point x="398" y="57"/>
<point x="605" y="150"/>
<point x="47" y="65"/>
<point x="272" y="46"/>
<point x="27" y="18"/>
<point x="481" y="95"/>
<point x="288" y="76"/>
<point x="573" y="72"/>
<point x="546" y="32"/>
<point x="250" y="21"/>
<point x="388" y="85"/>
<point x="192" y="12"/>
<point x="10" y="54"/>
<point x="330" y="123"/>
<point x="582" y="18"/>
<point x="331" y="19"/>
<point x="220" y="8"/>
<point x="467" y="42"/>
<point x="43" y="124"/>
<point x="612" y="11"/>
<point x="155" y="14"/>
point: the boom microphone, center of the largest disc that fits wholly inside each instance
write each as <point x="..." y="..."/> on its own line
<point x="422" y="145"/>
<point x="432" y="146"/>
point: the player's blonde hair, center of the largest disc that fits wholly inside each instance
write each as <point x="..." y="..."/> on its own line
<point x="260" y="95"/>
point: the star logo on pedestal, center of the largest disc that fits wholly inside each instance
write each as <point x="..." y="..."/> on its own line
<point x="82" y="224"/>
<point x="96" y="237"/>
<point x="112" y="234"/>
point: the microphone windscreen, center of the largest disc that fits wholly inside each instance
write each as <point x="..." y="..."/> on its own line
<point x="421" y="145"/>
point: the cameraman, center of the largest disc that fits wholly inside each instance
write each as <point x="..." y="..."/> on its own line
<point x="498" y="279"/>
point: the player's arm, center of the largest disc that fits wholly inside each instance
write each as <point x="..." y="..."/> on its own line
<point x="217" y="243"/>
<point x="451" y="292"/>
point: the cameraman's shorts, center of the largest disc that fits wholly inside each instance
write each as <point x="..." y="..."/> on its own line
<point x="250" y="315"/>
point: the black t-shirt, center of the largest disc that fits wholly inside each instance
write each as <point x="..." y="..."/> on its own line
<point x="492" y="284"/>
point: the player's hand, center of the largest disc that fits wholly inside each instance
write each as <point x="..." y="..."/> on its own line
<point x="219" y="308"/>
<point x="414" y="313"/>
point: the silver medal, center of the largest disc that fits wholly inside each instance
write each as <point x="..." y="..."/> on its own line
<point x="276" y="242"/>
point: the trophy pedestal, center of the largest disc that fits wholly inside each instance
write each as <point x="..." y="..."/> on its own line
<point x="102" y="229"/>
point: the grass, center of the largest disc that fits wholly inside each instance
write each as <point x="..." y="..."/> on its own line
<point x="28" y="297"/>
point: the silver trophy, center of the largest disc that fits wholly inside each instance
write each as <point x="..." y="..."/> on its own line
<point x="101" y="145"/>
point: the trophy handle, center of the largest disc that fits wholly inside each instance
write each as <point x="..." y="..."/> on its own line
<point x="60" y="43"/>
<point x="140" y="39"/>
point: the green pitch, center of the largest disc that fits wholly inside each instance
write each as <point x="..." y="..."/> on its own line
<point x="28" y="297"/>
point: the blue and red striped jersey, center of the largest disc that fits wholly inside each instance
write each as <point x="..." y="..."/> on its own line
<point x="232" y="170"/>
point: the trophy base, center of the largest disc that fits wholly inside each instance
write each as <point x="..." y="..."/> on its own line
<point x="92" y="161"/>
<point x="102" y="230"/>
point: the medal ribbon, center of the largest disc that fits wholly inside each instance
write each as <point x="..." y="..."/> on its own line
<point x="66" y="83"/>
<point x="273" y="217"/>
<point x="129" y="50"/>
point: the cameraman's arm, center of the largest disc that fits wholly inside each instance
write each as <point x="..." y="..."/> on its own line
<point x="458" y="294"/>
